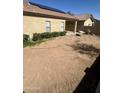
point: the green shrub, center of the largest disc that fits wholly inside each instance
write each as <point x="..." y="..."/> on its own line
<point x="36" y="36"/>
<point x="40" y="37"/>
<point x="55" y="34"/>
<point x="63" y="33"/>
<point x="25" y="38"/>
<point x="46" y="35"/>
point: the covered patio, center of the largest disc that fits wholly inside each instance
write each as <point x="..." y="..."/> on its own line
<point x="71" y="25"/>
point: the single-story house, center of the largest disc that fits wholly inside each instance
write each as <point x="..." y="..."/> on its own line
<point x="39" y="18"/>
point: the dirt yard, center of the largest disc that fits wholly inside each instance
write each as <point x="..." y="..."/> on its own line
<point x="57" y="66"/>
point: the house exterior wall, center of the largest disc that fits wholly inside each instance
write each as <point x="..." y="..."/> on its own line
<point x="88" y="22"/>
<point x="32" y="24"/>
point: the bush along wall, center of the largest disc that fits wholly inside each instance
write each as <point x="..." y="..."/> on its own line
<point x="39" y="37"/>
<point x="46" y="35"/>
<point x="25" y="38"/>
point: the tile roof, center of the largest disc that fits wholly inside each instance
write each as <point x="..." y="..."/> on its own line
<point x="45" y="11"/>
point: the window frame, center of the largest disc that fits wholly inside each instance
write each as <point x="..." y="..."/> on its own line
<point x="62" y="26"/>
<point x="48" y="27"/>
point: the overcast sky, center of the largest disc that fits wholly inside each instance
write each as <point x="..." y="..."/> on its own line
<point x="75" y="6"/>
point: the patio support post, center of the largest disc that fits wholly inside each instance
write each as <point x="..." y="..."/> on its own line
<point x="75" y="27"/>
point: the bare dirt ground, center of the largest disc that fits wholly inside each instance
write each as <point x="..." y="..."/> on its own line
<point x="56" y="66"/>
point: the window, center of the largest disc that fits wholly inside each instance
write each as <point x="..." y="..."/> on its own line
<point x="48" y="26"/>
<point x="62" y="27"/>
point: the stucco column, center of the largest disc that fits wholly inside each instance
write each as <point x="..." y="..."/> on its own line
<point x="75" y="29"/>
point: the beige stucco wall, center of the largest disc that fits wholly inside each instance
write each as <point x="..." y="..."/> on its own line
<point x="37" y="24"/>
<point x="88" y="22"/>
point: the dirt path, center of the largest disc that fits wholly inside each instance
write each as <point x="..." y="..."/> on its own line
<point x="55" y="66"/>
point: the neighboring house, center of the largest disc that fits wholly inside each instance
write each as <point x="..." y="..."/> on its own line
<point x="88" y="24"/>
<point x="40" y="18"/>
<point x="85" y="22"/>
<point x="87" y="19"/>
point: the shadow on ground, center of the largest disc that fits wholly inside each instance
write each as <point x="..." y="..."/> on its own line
<point x="90" y="81"/>
<point x="85" y="49"/>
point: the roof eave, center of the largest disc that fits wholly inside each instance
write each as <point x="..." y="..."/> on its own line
<point x="30" y="13"/>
